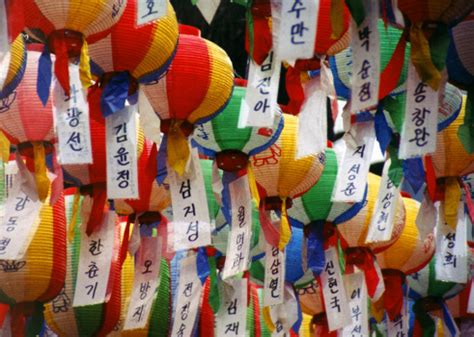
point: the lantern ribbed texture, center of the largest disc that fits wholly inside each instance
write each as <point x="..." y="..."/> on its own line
<point x="315" y="204"/>
<point x="459" y="60"/>
<point x="279" y="173"/>
<point x="197" y="61"/>
<point x="341" y="63"/>
<point x="87" y="17"/>
<point x="152" y="196"/>
<point x="206" y="168"/>
<point x="394" y="109"/>
<point x="16" y="68"/>
<point x="424" y="284"/>
<point x="153" y="46"/>
<point x="450" y="158"/>
<point x="25" y="118"/>
<point x="223" y="134"/>
<point x="305" y="330"/>
<point x="41" y="273"/>
<point x="410" y="252"/>
<point x="354" y="231"/>
<point x="434" y="10"/>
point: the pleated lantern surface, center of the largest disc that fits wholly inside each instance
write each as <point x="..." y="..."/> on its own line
<point x="26" y="122"/>
<point x="90" y="320"/>
<point x="152" y="196"/>
<point x="39" y="276"/>
<point x="341" y="63"/>
<point x="394" y="109"/>
<point x="231" y="146"/>
<point x="451" y="158"/>
<point x="67" y="26"/>
<point x="437" y="11"/>
<point x="281" y="177"/>
<point x="203" y="72"/>
<point x="16" y="69"/>
<point x="118" y="69"/>
<point x="407" y="255"/>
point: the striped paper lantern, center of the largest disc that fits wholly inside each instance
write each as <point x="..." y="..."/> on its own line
<point x="341" y="63"/>
<point x="118" y="69"/>
<point x="40" y="275"/>
<point x="16" y="69"/>
<point x="197" y="60"/>
<point x="354" y="232"/>
<point x="90" y="320"/>
<point x="222" y="139"/>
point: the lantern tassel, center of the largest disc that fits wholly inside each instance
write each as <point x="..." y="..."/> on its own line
<point x="75" y="211"/>
<point x="253" y="184"/>
<point x="84" y="65"/>
<point x="393" y="296"/>
<point x="4" y="147"/>
<point x="43" y="82"/>
<point x="61" y="65"/>
<point x="451" y="200"/>
<point x="285" y="230"/>
<point x="421" y="57"/>
<point x="267" y="318"/>
<point x="41" y="179"/>
<point x="178" y="148"/>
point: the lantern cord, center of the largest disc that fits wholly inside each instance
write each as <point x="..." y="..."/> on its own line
<point x="451" y="200"/>
<point x="84" y="65"/>
<point x="285" y="230"/>
<point x="421" y="57"/>
<point x="72" y="223"/>
<point x="41" y="179"/>
<point x="178" y="147"/>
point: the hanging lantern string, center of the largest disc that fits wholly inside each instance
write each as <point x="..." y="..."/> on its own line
<point x="75" y="210"/>
<point x="178" y="147"/>
<point x="41" y="179"/>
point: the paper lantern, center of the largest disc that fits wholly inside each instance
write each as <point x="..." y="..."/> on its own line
<point x="90" y="320"/>
<point x="451" y="158"/>
<point x="67" y="26"/>
<point x="231" y="146"/>
<point x="196" y="61"/>
<point x="118" y="69"/>
<point x="16" y="69"/>
<point x="19" y="109"/>
<point x="281" y="177"/>
<point x="341" y="63"/>
<point x="407" y="255"/>
<point x="432" y="10"/>
<point x="39" y="276"/>
<point x="152" y="196"/>
<point x="394" y="109"/>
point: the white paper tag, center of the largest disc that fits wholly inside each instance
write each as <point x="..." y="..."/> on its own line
<point x="191" y="222"/>
<point x="357" y="295"/>
<point x="366" y="59"/>
<point x="297" y="29"/>
<point x="145" y="283"/>
<point x="334" y="292"/>
<point x="426" y="217"/>
<point x="258" y="107"/>
<point x="274" y="276"/>
<point x="420" y="126"/>
<point x="399" y="326"/>
<point x="71" y="118"/>
<point x="5" y="54"/>
<point x="21" y="219"/>
<point x="352" y="178"/>
<point x="285" y="315"/>
<point x="189" y="296"/>
<point x="208" y="9"/>
<point x="94" y="263"/>
<point x="238" y="244"/>
<point x="451" y="248"/>
<point x="150" y="10"/>
<point x="381" y="225"/>
<point x="312" y="121"/>
<point x="231" y="318"/>
<point x="122" y="164"/>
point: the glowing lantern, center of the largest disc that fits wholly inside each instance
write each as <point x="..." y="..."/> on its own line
<point x="119" y="70"/>
<point x="196" y="61"/>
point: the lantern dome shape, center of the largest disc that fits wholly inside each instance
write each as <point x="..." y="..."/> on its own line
<point x="222" y="139"/>
<point x="435" y="11"/>
<point x="39" y="276"/>
<point x="197" y="60"/>
<point x="277" y="171"/>
<point x="152" y="196"/>
<point x="16" y="69"/>
<point x="341" y="63"/>
<point x="354" y="232"/>
<point x="451" y="158"/>
<point x="394" y="109"/>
